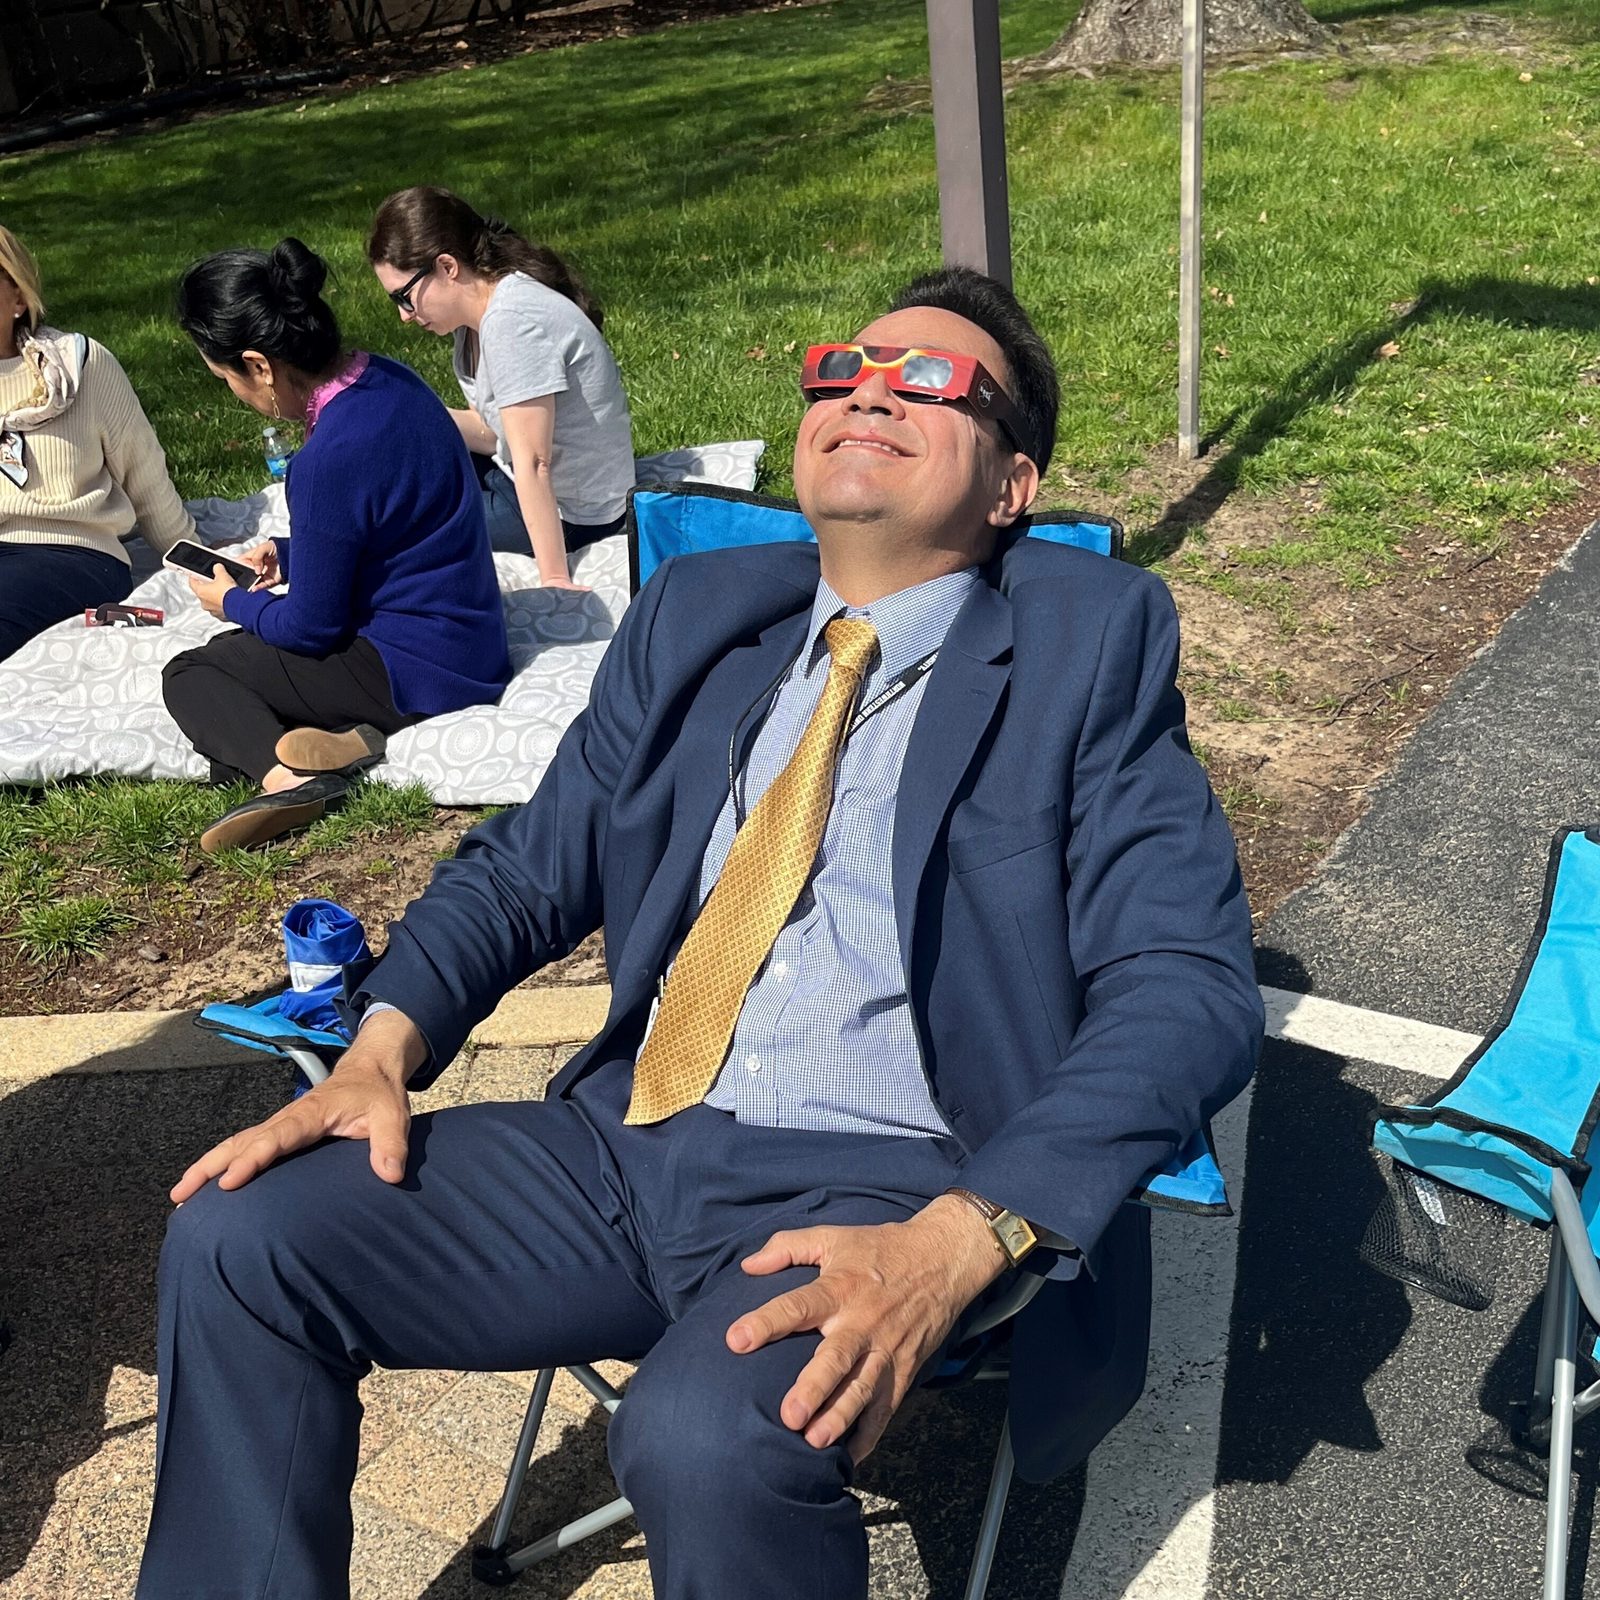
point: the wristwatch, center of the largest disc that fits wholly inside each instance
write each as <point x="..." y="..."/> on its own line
<point x="1013" y="1234"/>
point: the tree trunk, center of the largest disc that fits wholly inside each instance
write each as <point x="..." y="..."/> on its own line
<point x="1151" y="30"/>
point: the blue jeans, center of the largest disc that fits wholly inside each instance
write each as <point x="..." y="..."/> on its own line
<point x="507" y="532"/>
<point x="42" y="584"/>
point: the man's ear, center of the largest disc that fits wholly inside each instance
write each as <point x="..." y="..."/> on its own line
<point x="1017" y="491"/>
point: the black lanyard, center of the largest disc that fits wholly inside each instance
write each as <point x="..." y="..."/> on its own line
<point x="885" y="697"/>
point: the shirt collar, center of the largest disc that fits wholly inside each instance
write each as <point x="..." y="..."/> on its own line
<point x="348" y="374"/>
<point x="910" y="623"/>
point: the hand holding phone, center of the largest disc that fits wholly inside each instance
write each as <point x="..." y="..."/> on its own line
<point x="195" y="559"/>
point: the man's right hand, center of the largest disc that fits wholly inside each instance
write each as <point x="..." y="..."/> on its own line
<point x="363" y="1098"/>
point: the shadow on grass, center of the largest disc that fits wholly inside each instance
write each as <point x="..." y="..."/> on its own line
<point x="1382" y="10"/>
<point x="622" y="131"/>
<point x="1333" y="372"/>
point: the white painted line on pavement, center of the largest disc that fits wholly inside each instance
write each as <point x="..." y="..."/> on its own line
<point x="1375" y="1036"/>
<point x="1145" y="1532"/>
<point x="1150" y="1499"/>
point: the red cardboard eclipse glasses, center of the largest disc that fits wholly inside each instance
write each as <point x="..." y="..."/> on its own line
<point x="832" y="370"/>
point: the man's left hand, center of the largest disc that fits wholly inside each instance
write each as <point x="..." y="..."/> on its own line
<point x="884" y="1300"/>
<point x="209" y="591"/>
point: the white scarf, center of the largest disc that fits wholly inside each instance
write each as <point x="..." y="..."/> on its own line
<point x="57" y="360"/>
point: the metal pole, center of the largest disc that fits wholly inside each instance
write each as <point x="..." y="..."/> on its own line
<point x="1189" y="243"/>
<point x="969" y="134"/>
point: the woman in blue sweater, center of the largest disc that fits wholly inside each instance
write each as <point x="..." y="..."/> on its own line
<point x="392" y="613"/>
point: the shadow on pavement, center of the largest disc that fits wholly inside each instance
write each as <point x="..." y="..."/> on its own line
<point x="1311" y="1323"/>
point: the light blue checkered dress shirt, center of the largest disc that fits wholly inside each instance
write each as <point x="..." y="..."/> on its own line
<point x="825" y="1040"/>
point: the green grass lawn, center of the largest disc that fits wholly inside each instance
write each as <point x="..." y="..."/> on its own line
<point x="738" y="188"/>
<point x="80" y="863"/>
<point x="1401" y="261"/>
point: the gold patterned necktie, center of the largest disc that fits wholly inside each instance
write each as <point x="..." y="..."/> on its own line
<point x="766" y="868"/>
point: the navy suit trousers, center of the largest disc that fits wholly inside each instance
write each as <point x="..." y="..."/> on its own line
<point x="524" y="1235"/>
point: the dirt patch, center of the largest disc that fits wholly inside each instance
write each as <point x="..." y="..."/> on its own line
<point x="1303" y="686"/>
<point x="215" y="938"/>
<point x="1301" y="690"/>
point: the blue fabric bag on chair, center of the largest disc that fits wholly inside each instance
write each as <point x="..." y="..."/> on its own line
<point x="322" y="942"/>
<point x="320" y="939"/>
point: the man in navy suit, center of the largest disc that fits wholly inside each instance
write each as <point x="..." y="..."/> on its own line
<point x="1018" y="977"/>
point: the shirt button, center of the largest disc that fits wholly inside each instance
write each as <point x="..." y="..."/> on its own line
<point x="752" y="1063"/>
<point x="781" y="970"/>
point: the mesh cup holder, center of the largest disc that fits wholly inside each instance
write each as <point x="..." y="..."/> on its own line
<point x="1436" y="1237"/>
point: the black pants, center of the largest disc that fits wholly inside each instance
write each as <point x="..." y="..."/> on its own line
<point x="41" y="584"/>
<point x="236" y="696"/>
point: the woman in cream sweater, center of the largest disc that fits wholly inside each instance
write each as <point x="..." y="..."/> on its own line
<point x="79" y="466"/>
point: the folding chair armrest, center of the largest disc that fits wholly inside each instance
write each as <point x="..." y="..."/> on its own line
<point x="1579" y="1246"/>
<point x="263" y="1028"/>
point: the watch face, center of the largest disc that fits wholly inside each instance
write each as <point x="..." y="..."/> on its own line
<point x="1015" y="1236"/>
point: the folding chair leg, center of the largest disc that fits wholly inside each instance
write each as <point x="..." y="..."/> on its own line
<point x="490" y="1562"/>
<point x="1544" y="1370"/>
<point x="1563" y="1343"/>
<point x="994" y="1508"/>
<point x="492" y="1552"/>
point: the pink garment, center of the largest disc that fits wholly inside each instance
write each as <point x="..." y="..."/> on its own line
<point x="324" y="392"/>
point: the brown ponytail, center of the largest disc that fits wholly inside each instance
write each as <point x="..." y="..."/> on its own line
<point x="414" y="227"/>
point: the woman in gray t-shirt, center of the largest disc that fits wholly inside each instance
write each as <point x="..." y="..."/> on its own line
<point x="546" y="418"/>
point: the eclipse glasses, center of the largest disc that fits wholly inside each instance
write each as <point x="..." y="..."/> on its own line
<point x="936" y="376"/>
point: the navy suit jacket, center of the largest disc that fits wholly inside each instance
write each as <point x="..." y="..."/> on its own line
<point x="1075" y="936"/>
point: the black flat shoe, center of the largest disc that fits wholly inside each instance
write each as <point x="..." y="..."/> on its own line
<point x="269" y="816"/>
<point x="313" y="750"/>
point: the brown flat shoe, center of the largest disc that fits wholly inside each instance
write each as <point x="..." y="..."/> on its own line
<point x="269" y="816"/>
<point x="312" y="750"/>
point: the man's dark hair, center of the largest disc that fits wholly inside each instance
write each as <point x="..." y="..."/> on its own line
<point x="991" y="306"/>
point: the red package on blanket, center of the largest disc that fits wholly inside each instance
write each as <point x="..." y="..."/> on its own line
<point x="120" y="616"/>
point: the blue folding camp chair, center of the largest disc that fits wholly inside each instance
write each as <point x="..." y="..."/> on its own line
<point x="1509" y="1136"/>
<point x="682" y="518"/>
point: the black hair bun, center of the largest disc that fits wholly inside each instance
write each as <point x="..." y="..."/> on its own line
<point x="297" y="272"/>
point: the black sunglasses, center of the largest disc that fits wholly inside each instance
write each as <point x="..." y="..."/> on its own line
<point x="402" y="295"/>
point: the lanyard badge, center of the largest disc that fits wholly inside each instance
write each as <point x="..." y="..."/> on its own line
<point x="12" y="462"/>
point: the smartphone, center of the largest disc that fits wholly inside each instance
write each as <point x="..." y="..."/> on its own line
<point x="187" y="556"/>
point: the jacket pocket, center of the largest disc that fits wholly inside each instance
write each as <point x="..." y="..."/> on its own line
<point x="1003" y="840"/>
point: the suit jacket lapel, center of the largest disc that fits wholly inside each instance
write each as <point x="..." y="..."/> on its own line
<point x="963" y="690"/>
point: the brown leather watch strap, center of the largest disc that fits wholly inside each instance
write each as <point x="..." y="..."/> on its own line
<point x="1013" y="1235"/>
<point x="989" y="1209"/>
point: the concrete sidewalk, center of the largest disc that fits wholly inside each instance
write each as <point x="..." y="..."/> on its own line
<point x="98" y="1116"/>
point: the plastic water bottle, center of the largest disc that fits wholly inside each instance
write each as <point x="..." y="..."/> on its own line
<point x="277" y="452"/>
